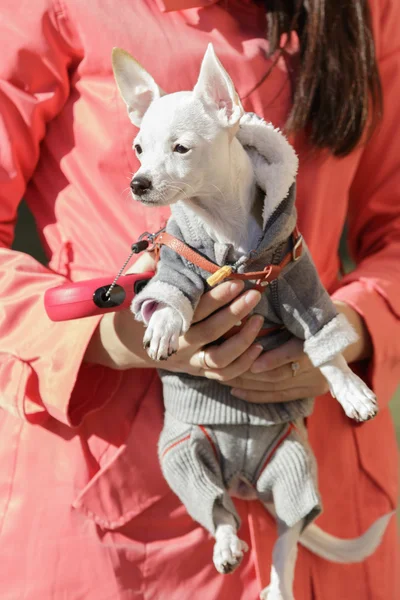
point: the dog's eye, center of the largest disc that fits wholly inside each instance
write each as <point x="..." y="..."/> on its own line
<point x="181" y="149"/>
<point x="138" y="148"/>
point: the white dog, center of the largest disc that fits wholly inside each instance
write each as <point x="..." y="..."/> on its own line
<point x="227" y="188"/>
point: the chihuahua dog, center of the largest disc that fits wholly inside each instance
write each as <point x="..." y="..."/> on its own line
<point x="229" y="178"/>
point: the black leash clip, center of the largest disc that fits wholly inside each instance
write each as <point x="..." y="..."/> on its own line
<point x="140" y="246"/>
<point x="144" y="241"/>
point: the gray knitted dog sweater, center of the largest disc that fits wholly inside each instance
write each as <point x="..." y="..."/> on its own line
<point x="205" y="466"/>
<point x="298" y="301"/>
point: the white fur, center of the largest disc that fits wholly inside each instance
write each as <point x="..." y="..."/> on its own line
<point x="166" y="319"/>
<point x="345" y="551"/>
<point x="357" y="400"/>
<point x="324" y="346"/>
<point x="137" y="87"/>
<point x="284" y="557"/>
<point x="322" y="544"/>
<point x="161" y="338"/>
<point x="228" y="549"/>
<point x="216" y="180"/>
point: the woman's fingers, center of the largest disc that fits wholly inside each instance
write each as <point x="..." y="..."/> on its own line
<point x="279" y="374"/>
<point x="213" y="327"/>
<point x="311" y="379"/>
<point x="291" y="351"/>
<point x="219" y="357"/>
<point x="216" y="299"/>
<point x="236" y="367"/>
<point x="309" y="384"/>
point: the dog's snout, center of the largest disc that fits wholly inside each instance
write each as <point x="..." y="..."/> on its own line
<point x="140" y="185"/>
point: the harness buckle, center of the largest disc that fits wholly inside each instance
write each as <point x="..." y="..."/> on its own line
<point x="270" y="273"/>
<point x="296" y="247"/>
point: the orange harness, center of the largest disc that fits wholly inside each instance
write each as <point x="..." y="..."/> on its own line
<point x="261" y="278"/>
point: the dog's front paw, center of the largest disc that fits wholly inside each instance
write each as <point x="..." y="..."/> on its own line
<point x="357" y="400"/>
<point x="228" y="552"/>
<point x="161" y="338"/>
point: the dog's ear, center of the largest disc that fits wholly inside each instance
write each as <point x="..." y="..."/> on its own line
<point x="216" y="89"/>
<point x="138" y="89"/>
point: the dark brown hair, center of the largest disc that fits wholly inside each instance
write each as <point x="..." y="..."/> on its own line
<point x="337" y="94"/>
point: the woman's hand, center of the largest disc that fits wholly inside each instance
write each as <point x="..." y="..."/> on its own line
<point x="117" y="343"/>
<point x="287" y="373"/>
<point x="118" y="340"/>
<point x="232" y="357"/>
<point x="272" y="377"/>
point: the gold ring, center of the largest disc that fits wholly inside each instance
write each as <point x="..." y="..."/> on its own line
<point x="295" y="366"/>
<point x="202" y="360"/>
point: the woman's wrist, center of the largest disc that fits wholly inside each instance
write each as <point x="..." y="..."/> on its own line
<point x="118" y="343"/>
<point x="362" y="349"/>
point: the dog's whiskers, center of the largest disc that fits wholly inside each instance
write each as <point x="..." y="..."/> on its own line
<point x="217" y="188"/>
<point x="173" y="185"/>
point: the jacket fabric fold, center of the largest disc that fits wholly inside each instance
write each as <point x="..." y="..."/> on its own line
<point x="73" y="524"/>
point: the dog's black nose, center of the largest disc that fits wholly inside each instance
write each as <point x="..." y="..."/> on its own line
<point x="140" y="185"/>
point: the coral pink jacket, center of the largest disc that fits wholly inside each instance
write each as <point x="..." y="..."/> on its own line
<point x="84" y="510"/>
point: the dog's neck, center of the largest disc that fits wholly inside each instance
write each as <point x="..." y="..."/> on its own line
<point x="231" y="208"/>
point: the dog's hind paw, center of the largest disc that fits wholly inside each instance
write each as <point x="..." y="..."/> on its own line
<point x="228" y="553"/>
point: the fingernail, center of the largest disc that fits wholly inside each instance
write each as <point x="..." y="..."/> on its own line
<point x="255" y="351"/>
<point x="252" y="297"/>
<point x="236" y="287"/>
<point x="238" y="393"/>
<point x="256" y="322"/>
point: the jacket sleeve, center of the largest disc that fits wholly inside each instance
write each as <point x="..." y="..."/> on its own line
<point x="373" y="287"/>
<point x="40" y="361"/>
<point x="308" y="312"/>
<point x="177" y="284"/>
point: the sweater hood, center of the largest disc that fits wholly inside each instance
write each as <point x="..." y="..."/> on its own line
<point x="275" y="165"/>
<point x="274" y="160"/>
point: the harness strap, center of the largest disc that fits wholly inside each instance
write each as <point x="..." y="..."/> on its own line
<point x="166" y="239"/>
<point x="218" y="274"/>
<point x="262" y="278"/>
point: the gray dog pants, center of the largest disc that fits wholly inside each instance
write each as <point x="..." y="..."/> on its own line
<point x="205" y="465"/>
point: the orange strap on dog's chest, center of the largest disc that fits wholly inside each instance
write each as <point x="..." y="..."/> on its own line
<point x="218" y="274"/>
<point x="166" y="239"/>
